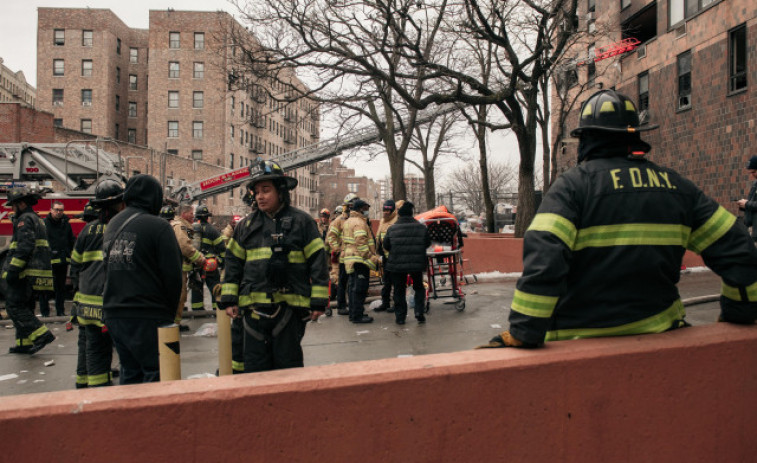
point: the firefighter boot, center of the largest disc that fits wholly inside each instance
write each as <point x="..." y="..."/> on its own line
<point x="42" y="341"/>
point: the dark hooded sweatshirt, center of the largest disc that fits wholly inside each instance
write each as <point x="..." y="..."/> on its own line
<point x="143" y="261"/>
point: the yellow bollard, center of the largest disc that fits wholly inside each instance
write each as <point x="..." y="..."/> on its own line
<point x="224" y="343"/>
<point x="169" y="352"/>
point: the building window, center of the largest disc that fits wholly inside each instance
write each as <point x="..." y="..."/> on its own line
<point x="86" y="125"/>
<point x="231" y="161"/>
<point x="118" y="103"/>
<point x="199" y="70"/>
<point x="118" y="75"/>
<point x="173" y="152"/>
<point x="625" y="4"/>
<point x="58" y="67"/>
<point x="232" y="132"/>
<point x="684" y="9"/>
<point x="198" y="100"/>
<point x="174" y="40"/>
<point x="58" y="122"/>
<point x="173" y="129"/>
<point x="591" y="6"/>
<point x="132" y="82"/>
<point x="642" y="25"/>
<point x="59" y="37"/>
<point x="197" y="129"/>
<point x="57" y="97"/>
<point x="197" y="155"/>
<point x="173" y="69"/>
<point x="132" y="136"/>
<point x="133" y="55"/>
<point x="86" y="97"/>
<point x="173" y="99"/>
<point x="86" y="68"/>
<point x="118" y="46"/>
<point x="116" y="131"/>
<point x="591" y="68"/>
<point x="86" y="38"/>
<point x="643" y="92"/>
<point x="737" y="53"/>
<point x="199" y="40"/>
<point x="684" y="80"/>
<point x="132" y="109"/>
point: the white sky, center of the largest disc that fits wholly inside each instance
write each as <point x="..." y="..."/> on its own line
<point x="18" y="48"/>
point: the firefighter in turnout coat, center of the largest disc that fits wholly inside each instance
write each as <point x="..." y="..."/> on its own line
<point x="191" y="255"/>
<point x="360" y="258"/>
<point x="603" y="254"/>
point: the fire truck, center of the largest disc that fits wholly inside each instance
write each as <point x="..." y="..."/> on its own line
<point x="70" y="172"/>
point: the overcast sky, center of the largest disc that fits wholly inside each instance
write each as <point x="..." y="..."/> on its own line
<point x="18" y="48"/>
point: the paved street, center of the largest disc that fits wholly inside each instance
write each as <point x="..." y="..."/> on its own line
<point x="331" y="340"/>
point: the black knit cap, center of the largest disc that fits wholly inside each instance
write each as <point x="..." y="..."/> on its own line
<point x="752" y="163"/>
<point x="389" y="205"/>
<point x="406" y="210"/>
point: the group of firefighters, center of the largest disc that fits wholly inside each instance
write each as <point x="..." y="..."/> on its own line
<point x="616" y="206"/>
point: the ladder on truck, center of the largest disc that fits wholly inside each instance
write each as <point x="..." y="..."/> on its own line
<point x="298" y="158"/>
<point x="77" y="166"/>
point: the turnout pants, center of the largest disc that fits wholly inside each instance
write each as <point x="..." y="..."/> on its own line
<point x="59" y="289"/>
<point x="342" y="289"/>
<point x="400" y="285"/>
<point x="359" y="280"/>
<point x="182" y="298"/>
<point x="95" y="356"/>
<point x="211" y="280"/>
<point x="237" y="345"/>
<point x="136" y="342"/>
<point x="273" y="343"/>
<point x="386" y="289"/>
<point x="19" y="303"/>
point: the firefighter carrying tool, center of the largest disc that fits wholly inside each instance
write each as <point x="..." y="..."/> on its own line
<point x="211" y="245"/>
<point x="603" y="255"/>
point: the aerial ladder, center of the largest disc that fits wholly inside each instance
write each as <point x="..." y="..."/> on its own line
<point x="295" y="159"/>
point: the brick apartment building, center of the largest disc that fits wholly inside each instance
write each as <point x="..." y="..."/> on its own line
<point x="14" y="87"/>
<point x="695" y="74"/>
<point x="170" y="88"/>
<point x="337" y="180"/>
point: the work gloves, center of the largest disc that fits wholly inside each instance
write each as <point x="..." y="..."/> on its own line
<point x="504" y="339"/>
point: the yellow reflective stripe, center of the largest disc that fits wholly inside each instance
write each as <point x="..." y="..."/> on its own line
<point x="55" y="261"/>
<point x="235" y="249"/>
<point x="348" y="240"/>
<point x="98" y="380"/>
<point x="557" y="225"/>
<point x="88" y="321"/>
<point x="37" y="272"/>
<point x="296" y="257"/>
<point x="195" y="257"/>
<point x="13" y="245"/>
<point x="92" y="256"/>
<point x="360" y="233"/>
<point x="41" y="243"/>
<point x="185" y="267"/>
<point x="76" y="256"/>
<point x="229" y="289"/>
<point x="313" y="247"/>
<point x="246" y="300"/>
<point x="259" y="253"/>
<point x="197" y="305"/>
<point x="89" y="299"/>
<point x="657" y="323"/>
<point x="24" y="342"/>
<point x="363" y="248"/>
<point x="294" y="300"/>
<point x="218" y="240"/>
<point x="533" y="305"/>
<point x="334" y="230"/>
<point x="81" y="379"/>
<point x="207" y="241"/>
<point x="632" y="234"/>
<point x="318" y="291"/>
<point x="38" y="332"/>
<point x="711" y="231"/>
<point x="237" y="366"/>
<point x="734" y="294"/>
<point x="16" y="262"/>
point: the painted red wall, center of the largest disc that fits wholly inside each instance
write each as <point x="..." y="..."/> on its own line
<point x="686" y="395"/>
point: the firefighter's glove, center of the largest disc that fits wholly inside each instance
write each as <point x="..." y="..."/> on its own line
<point x="217" y="291"/>
<point x="504" y="339"/>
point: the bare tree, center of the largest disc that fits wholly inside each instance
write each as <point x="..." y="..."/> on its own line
<point x="465" y="185"/>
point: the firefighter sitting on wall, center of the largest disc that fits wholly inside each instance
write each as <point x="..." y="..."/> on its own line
<point x="603" y="255"/>
<point x="27" y="270"/>
<point x="276" y="275"/>
<point x="88" y="278"/>
<point x="192" y="258"/>
<point x="213" y="248"/>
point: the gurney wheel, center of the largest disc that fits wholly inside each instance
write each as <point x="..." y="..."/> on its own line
<point x="460" y="305"/>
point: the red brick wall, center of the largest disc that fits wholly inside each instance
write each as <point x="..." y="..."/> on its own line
<point x="22" y="124"/>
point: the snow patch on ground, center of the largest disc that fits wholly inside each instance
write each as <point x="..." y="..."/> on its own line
<point x="492" y="276"/>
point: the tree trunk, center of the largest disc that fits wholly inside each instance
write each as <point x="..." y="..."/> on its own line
<point x="484" y="168"/>
<point x="526" y="196"/>
<point x="430" y="186"/>
<point x="397" y="172"/>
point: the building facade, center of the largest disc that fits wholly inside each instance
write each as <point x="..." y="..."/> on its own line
<point x="15" y="88"/>
<point x="693" y="73"/>
<point x="337" y="181"/>
<point x="173" y="88"/>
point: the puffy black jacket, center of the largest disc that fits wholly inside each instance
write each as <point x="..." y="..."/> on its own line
<point x="61" y="239"/>
<point x="603" y="254"/>
<point x="143" y="265"/>
<point x="407" y="241"/>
